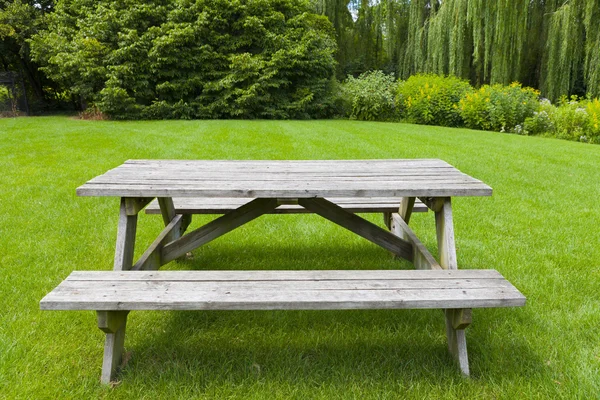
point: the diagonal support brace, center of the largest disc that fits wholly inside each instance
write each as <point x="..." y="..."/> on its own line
<point x="359" y="225"/>
<point x="217" y="228"/>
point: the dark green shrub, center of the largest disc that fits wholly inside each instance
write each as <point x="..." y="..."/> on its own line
<point x="432" y="99"/>
<point x="191" y="58"/>
<point x="499" y="108"/>
<point x="370" y="97"/>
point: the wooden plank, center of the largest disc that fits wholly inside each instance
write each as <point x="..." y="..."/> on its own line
<point x="433" y="203"/>
<point x="359" y="225"/>
<point x="111" y="321"/>
<point x="457" y="345"/>
<point x="151" y="259"/>
<point x="126" y="231"/>
<point x="445" y="236"/>
<point x="457" y="342"/>
<point x="216" y="228"/>
<point x="285" y="179"/>
<point x="283" y="275"/>
<point x="422" y="258"/>
<point x="135" y="205"/>
<point x="461" y="318"/>
<point x="406" y="208"/>
<point x="193" y="205"/>
<point x="248" y="178"/>
<point x="191" y="290"/>
<point x="288" y="164"/>
<point x="90" y="286"/>
<point x="113" y="344"/>
<point x="229" y="299"/>
<point x="167" y="209"/>
<point x="290" y="189"/>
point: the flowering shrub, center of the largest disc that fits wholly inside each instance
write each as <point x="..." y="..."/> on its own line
<point x="370" y="97"/>
<point x="432" y="99"/>
<point x="541" y="121"/>
<point x="593" y="110"/>
<point x="499" y="108"/>
<point x="573" y="119"/>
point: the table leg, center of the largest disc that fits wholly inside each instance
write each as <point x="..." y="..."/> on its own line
<point x="167" y="209"/>
<point x="405" y="211"/>
<point x="125" y="238"/>
<point x="457" y="342"/>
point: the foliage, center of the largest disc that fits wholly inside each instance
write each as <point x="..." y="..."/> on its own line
<point x="432" y="99"/>
<point x="190" y="59"/>
<point x="541" y="121"/>
<point x="549" y="44"/>
<point x="575" y="119"/>
<point x="370" y="97"/>
<point x="499" y="108"/>
<point x="4" y="94"/>
<point x="19" y="21"/>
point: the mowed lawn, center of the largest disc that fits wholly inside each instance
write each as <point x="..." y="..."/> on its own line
<point x="540" y="229"/>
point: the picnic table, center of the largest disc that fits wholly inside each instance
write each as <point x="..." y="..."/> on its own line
<point x="245" y="190"/>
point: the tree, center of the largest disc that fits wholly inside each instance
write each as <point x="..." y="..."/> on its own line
<point x="190" y="58"/>
<point x="19" y="21"/>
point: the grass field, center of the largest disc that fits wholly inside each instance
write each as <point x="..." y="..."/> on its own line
<point x="540" y="229"/>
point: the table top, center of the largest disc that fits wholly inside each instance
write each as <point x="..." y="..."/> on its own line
<point x="285" y="179"/>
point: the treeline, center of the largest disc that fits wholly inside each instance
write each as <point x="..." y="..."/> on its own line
<point x="552" y="45"/>
<point x="282" y="58"/>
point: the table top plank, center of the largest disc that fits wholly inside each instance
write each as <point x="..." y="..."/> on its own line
<point x="284" y="179"/>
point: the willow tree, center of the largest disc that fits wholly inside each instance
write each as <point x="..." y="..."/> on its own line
<point x="550" y="44"/>
<point x="572" y="62"/>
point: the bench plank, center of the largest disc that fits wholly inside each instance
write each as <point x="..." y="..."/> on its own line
<point x="190" y="205"/>
<point x="191" y="291"/>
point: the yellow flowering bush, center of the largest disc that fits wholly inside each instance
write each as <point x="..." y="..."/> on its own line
<point x="432" y="99"/>
<point x="593" y="110"/>
<point x="498" y="107"/>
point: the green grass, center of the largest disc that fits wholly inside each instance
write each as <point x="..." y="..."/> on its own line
<point x="540" y="229"/>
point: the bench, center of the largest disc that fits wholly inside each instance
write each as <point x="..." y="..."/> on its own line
<point x="112" y="294"/>
<point x="205" y="205"/>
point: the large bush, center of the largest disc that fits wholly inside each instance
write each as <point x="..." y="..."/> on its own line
<point x="499" y="108"/>
<point x="573" y="119"/>
<point x="191" y="58"/>
<point x="432" y="99"/>
<point x="370" y="97"/>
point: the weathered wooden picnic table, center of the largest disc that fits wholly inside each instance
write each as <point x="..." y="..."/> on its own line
<point x="244" y="190"/>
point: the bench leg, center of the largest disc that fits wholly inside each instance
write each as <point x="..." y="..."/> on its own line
<point x="113" y="323"/>
<point x="457" y="342"/>
<point x="456" y="322"/>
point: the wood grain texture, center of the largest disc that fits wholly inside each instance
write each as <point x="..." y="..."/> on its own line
<point x="251" y="290"/>
<point x="126" y="230"/>
<point x="151" y="259"/>
<point x="191" y="205"/>
<point x="284" y="179"/>
<point x="457" y="345"/>
<point x="135" y="205"/>
<point x="406" y="208"/>
<point x="360" y="226"/>
<point x="422" y="258"/>
<point x="113" y="345"/>
<point x="445" y="236"/>
<point x="216" y="228"/>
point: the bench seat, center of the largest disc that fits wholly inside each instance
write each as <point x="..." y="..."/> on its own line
<point x="282" y="290"/>
<point x="113" y="294"/>
<point x="193" y="205"/>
